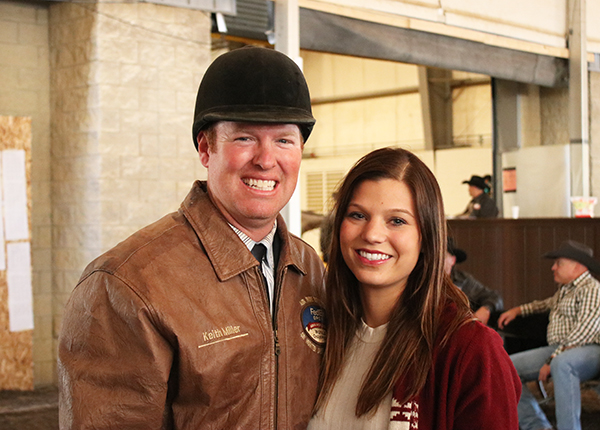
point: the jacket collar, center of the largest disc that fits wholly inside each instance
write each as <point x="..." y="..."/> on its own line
<point x="225" y="250"/>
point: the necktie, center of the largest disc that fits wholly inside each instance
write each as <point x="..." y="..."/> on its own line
<point x="260" y="251"/>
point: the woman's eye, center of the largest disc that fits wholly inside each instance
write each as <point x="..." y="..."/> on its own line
<point x="397" y="221"/>
<point x="355" y="215"/>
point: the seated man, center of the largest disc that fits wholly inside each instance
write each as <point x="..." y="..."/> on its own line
<point x="484" y="302"/>
<point x="573" y="354"/>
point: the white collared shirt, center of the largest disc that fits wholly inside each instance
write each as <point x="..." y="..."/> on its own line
<point x="268" y="266"/>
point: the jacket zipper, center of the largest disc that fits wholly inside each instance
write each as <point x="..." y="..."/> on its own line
<point x="277" y="348"/>
<point x="277" y="351"/>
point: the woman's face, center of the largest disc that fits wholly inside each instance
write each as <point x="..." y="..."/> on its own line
<point x="379" y="236"/>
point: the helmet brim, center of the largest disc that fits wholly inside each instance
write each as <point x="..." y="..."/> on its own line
<point x="258" y="114"/>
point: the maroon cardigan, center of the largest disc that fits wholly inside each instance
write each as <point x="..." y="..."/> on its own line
<point x="472" y="385"/>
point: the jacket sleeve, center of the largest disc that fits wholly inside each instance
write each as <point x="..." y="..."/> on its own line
<point x="480" y="295"/>
<point x="113" y="362"/>
<point x="485" y="384"/>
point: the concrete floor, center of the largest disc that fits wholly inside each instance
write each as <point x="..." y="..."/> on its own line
<point x="590" y="404"/>
<point x="38" y="410"/>
<point x="29" y="410"/>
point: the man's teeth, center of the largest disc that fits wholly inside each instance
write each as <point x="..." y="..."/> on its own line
<point x="260" y="184"/>
<point x="373" y="256"/>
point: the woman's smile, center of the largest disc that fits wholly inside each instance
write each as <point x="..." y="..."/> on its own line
<point x="379" y="236"/>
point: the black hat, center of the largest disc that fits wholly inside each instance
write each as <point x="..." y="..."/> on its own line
<point x="578" y="252"/>
<point x="457" y="252"/>
<point x="253" y="84"/>
<point x="477" y="181"/>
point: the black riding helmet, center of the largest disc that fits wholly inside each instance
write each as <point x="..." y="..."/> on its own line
<point x="253" y="84"/>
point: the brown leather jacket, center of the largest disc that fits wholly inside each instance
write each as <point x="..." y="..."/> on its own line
<point x="171" y="330"/>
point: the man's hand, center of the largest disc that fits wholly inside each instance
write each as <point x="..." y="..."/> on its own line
<point x="544" y="373"/>
<point x="508" y="316"/>
<point x="483" y="314"/>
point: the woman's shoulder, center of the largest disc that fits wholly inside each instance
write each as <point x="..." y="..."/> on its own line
<point x="469" y="333"/>
<point x="473" y="331"/>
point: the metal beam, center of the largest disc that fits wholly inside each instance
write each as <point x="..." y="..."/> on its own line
<point x="320" y="31"/>
<point x="454" y="83"/>
<point x="425" y="108"/>
<point x="287" y="41"/>
<point x="440" y="106"/>
<point x="506" y="105"/>
<point x="578" y="100"/>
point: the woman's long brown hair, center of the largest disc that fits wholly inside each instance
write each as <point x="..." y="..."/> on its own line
<point x="407" y="350"/>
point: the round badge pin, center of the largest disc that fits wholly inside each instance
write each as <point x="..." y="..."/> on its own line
<point x="314" y="329"/>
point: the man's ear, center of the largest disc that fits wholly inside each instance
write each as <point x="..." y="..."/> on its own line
<point x="453" y="258"/>
<point x="203" y="151"/>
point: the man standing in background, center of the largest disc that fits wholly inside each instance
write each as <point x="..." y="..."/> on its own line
<point x="481" y="204"/>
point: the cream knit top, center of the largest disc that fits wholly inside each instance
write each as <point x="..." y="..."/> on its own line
<point x="339" y="412"/>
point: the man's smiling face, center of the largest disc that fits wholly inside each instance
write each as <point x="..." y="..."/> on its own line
<point x="252" y="171"/>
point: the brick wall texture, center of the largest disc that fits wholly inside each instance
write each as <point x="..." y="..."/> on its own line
<point x="110" y="88"/>
<point x="25" y="91"/>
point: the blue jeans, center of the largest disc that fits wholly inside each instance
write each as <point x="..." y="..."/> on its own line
<point x="568" y="369"/>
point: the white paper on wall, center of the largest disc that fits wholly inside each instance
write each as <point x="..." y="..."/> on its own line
<point x="14" y="191"/>
<point x="2" y="241"/>
<point x="18" y="277"/>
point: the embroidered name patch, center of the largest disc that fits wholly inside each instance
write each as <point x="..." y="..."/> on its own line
<point x="222" y="334"/>
<point x="314" y="330"/>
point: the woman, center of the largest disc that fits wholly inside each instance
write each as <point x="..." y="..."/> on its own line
<point x="403" y="349"/>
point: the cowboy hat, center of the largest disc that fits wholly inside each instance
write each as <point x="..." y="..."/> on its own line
<point x="477" y="181"/>
<point x="578" y="252"/>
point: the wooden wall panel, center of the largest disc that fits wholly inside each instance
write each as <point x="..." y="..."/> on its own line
<point x="506" y="254"/>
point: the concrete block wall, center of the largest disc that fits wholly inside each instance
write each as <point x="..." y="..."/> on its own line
<point x="554" y="108"/>
<point x="123" y="85"/>
<point x="25" y="89"/>
<point x="529" y="105"/>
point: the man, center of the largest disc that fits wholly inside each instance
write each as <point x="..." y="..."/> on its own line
<point x="481" y="204"/>
<point x="573" y="333"/>
<point x="484" y="301"/>
<point x="180" y="326"/>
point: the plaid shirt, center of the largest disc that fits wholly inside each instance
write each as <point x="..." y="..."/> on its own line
<point x="574" y="313"/>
